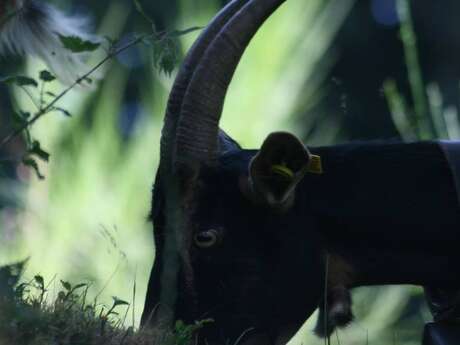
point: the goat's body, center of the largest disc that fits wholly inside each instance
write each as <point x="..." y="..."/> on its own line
<point x="385" y="213"/>
<point x="390" y="210"/>
<point x="388" y="213"/>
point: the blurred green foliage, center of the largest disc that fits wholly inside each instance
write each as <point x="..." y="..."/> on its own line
<point x="426" y="118"/>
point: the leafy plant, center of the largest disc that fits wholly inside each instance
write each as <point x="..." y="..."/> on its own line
<point x="165" y="59"/>
<point x="28" y="316"/>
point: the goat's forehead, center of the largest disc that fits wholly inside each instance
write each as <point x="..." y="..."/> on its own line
<point x="225" y="175"/>
<point x="219" y="195"/>
<point x="221" y="181"/>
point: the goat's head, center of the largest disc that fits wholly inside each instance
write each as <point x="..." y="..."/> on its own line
<point x="225" y="219"/>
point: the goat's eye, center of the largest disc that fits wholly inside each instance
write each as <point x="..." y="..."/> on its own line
<point x="206" y="239"/>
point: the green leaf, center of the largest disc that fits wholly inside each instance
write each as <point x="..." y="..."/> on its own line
<point x="63" y="111"/>
<point x="66" y="285"/>
<point x="50" y="94"/>
<point x="20" y="80"/>
<point x="77" y="44"/>
<point x="117" y="302"/>
<point x="184" y="333"/>
<point x="25" y="115"/>
<point x="46" y="76"/>
<point x="177" y="33"/>
<point x="79" y="286"/>
<point x="9" y="277"/>
<point x="38" y="151"/>
<point x="40" y="281"/>
<point x="32" y="163"/>
<point x="20" y="290"/>
<point x="165" y="55"/>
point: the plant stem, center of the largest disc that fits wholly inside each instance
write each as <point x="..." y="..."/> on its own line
<point x="422" y="117"/>
<point x="50" y="105"/>
<point x="27" y="92"/>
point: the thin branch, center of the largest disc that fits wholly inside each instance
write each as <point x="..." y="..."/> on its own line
<point x="42" y="90"/>
<point x="112" y="53"/>
<point x="50" y="105"/>
<point x="27" y="92"/>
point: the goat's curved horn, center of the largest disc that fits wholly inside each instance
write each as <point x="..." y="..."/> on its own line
<point x="198" y="128"/>
<point x="184" y="76"/>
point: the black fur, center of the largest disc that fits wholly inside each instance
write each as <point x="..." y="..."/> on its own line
<point x="388" y="209"/>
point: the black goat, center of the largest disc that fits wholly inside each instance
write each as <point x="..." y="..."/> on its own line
<point x="254" y="238"/>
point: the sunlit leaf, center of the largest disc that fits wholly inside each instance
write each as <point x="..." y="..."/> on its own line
<point x="77" y="44"/>
<point x="63" y="111"/>
<point x="25" y="114"/>
<point x="165" y="55"/>
<point x="117" y="301"/>
<point x="20" y="80"/>
<point x="66" y="285"/>
<point x="32" y="163"/>
<point x="40" y="281"/>
<point x="38" y="151"/>
<point x="79" y="286"/>
<point x="46" y="76"/>
<point x="177" y="33"/>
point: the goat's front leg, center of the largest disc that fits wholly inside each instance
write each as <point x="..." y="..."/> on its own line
<point x="336" y="312"/>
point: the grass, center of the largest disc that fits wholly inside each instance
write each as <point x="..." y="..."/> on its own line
<point x="35" y="313"/>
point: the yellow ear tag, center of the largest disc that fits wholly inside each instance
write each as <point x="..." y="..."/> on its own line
<point x="314" y="165"/>
<point x="283" y="171"/>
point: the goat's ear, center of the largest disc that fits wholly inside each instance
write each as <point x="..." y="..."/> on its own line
<point x="278" y="167"/>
